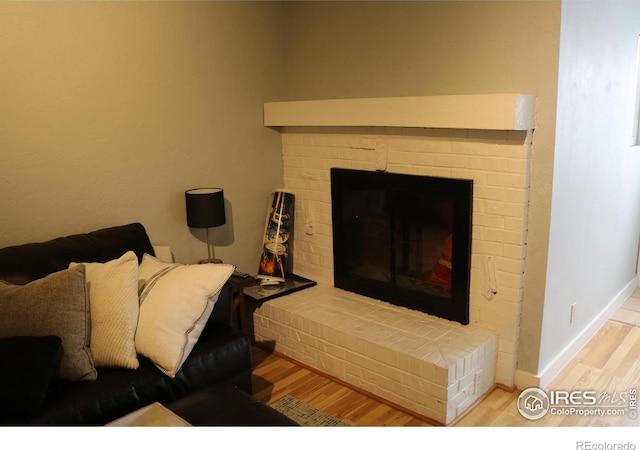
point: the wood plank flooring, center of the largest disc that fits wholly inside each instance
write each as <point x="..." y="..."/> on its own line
<point x="274" y="377"/>
<point x="629" y="313"/>
<point x="610" y="363"/>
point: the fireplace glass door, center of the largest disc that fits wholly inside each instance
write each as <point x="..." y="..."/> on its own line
<point x="403" y="239"/>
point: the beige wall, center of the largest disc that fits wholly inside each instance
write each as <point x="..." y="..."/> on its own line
<point x="111" y="110"/>
<point x="377" y="49"/>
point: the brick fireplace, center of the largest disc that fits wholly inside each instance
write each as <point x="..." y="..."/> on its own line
<point x="429" y="365"/>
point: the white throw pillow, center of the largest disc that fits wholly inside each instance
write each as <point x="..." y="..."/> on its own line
<point x="176" y="301"/>
<point x="113" y="302"/>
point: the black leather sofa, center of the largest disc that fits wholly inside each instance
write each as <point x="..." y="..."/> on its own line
<point x="219" y="363"/>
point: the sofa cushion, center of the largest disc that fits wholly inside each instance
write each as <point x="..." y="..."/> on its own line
<point x="55" y="305"/>
<point x="29" y="364"/>
<point x="176" y="301"/>
<point x="113" y="300"/>
<point x="21" y="264"/>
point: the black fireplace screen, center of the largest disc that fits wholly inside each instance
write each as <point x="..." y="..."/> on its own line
<point x="404" y="239"/>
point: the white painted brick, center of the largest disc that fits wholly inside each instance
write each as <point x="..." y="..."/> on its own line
<point x="489" y="192"/>
<point x="429" y="171"/>
<point x="515" y="223"/>
<point x="517" y="165"/>
<point x="359" y="360"/>
<point x="487" y="248"/>
<point x="510" y="280"/>
<point x="331" y="365"/>
<point x="371" y="370"/>
<point x="489" y="220"/>
<point x="392" y="373"/>
<point x="477" y="176"/>
<point x="497" y="161"/>
<point x="420" y="368"/>
<point x="509" y="265"/>
<point x="517" y="237"/>
<point x="451" y="161"/>
<point x="514" y="251"/>
<point x="507" y="209"/>
<point x="489" y="234"/>
<point x="507" y="179"/>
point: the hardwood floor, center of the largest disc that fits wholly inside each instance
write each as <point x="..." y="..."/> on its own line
<point x="274" y="377"/>
<point x="609" y="363"/>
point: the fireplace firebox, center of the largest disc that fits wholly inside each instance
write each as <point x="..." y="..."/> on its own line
<point x="403" y="239"/>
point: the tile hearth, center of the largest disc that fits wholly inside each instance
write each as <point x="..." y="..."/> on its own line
<point x="432" y="366"/>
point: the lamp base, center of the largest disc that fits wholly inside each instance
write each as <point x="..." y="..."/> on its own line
<point x="210" y="261"/>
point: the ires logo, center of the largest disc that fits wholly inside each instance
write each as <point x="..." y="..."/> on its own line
<point x="534" y="403"/>
<point x="574" y="398"/>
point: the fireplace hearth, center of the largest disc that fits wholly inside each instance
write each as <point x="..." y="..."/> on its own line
<point x="403" y="239"/>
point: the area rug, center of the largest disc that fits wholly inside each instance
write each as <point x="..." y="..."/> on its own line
<point x="304" y="414"/>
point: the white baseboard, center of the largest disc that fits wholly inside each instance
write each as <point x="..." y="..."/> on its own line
<point x="525" y="380"/>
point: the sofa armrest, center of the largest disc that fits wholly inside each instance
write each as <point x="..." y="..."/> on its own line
<point x="222" y="311"/>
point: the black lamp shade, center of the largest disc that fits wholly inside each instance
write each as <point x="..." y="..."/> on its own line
<point x="205" y="207"/>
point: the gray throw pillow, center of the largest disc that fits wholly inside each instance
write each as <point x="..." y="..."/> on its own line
<point x="55" y="305"/>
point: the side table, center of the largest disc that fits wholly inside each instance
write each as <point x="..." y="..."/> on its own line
<point x="239" y="305"/>
<point x="254" y="296"/>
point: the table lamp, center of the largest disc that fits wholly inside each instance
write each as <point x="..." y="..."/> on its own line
<point x="205" y="209"/>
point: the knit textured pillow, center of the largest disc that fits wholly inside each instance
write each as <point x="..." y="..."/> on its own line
<point x="113" y="297"/>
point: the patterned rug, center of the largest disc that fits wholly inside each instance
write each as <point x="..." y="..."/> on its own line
<point x="304" y="414"/>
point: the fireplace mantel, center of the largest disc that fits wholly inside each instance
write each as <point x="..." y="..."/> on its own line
<point x="484" y="112"/>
